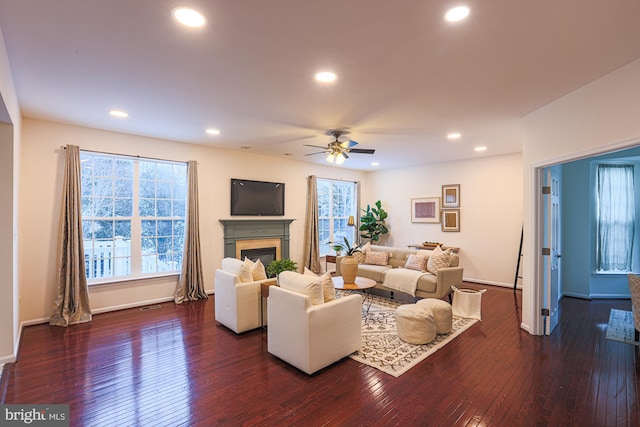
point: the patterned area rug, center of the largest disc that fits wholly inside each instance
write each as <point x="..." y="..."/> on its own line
<point x="620" y="327"/>
<point x="381" y="347"/>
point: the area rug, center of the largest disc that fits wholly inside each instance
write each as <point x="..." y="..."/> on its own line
<point x="381" y="347"/>
<point x="620" y="327"/>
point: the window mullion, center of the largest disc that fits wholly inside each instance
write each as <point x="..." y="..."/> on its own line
<point x="136" y="226"/>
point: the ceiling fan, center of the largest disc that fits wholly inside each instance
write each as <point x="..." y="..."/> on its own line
<point x="337" y="152"/>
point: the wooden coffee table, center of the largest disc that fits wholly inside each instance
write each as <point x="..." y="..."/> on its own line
<point x="362" y="284"/>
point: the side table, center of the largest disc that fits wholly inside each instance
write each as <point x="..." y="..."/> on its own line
<point x="264" y="293"/>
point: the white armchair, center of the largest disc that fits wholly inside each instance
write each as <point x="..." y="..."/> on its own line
<point x="237" y="304"/>
<point x="311" y="337"/>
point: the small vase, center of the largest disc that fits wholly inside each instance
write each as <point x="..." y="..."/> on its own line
<point x="349" y="269"/>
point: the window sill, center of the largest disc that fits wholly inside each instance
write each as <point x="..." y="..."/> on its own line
<point x="120" y="280"/>
<point x="612" y="273"/>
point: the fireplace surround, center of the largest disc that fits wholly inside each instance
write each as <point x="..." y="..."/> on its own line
<point x="248" y="234"/>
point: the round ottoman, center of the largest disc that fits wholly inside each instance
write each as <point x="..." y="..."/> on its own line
<point x="442" y="313"/>
<point x="415" y="324"/>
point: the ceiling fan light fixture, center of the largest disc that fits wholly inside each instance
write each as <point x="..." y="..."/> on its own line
<point x="340" y="158"/>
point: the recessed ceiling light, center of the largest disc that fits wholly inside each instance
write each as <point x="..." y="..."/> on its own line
<point x="454" y="136"/>
<point x="213" y="131"/>
<point x="188" y="17"/>
<point x="325" y="76"/>
<point x="457" y="14"/>
<point x="375" y="164"/>
<point x="119" y="113"/>
<point x="480" y="149"/>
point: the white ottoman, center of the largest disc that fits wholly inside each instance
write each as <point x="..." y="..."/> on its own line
<point x="415" y="324"/>
<point x="442" y="314"/>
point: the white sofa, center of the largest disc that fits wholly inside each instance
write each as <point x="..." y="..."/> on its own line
<point x="237" y="303"/>
<point x="307" y="336"/>
<point x="429" y="286"/>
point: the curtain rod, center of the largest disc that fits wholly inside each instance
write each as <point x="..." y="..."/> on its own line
<point x="127" y="155"/>
<point x="338" y="179"/>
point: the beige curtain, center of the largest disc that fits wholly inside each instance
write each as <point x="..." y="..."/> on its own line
<point x="311" y="234"/>
<point x="71" y="300"/>
<point x="191" y="285"/>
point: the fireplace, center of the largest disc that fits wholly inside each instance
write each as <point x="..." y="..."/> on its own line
<point x="267" y="239"/>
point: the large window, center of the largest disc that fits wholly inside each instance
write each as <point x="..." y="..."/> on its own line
<point x="133" y="215"/>
<point x="615" y="217"/>
<point x="337" y="200"/>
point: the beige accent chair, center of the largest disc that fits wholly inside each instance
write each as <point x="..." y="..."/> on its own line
<point x="634" y="288"/>
<point x="237" y="304"/>
<point x="307" y="336"/>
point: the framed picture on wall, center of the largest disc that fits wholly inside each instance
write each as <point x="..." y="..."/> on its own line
<point x="451" y="196"/>
<point x="451" y="220"/>
<point x="426" y="209"/>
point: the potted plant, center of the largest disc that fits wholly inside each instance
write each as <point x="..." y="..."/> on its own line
<point x="277" y="266"/>
<point x="372" y="222"/>
<point x="348" y="264"/>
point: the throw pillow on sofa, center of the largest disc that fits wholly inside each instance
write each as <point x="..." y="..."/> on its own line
<point x="438" y="259"/>
<point x="415" y="262"/>
<point x="376" y="258"/>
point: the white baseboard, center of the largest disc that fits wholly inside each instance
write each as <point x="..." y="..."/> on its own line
<point x="576" y="295"/>
<point x="490" y="282"/>
<point x="6" y="359"/>
<point x="610" y="296"/>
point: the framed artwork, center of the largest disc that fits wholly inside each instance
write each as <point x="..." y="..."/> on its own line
<point x="451" y="196"/>
<point x="426" y="209"/>
<point x="451" y="220"/>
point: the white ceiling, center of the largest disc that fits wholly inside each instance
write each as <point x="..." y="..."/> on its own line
<point x="405" y="77"/>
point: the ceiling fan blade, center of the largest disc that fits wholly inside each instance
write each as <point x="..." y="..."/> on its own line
<point x="362" y="150"/>
<point x="348" y="144"/>
<point x="344" y="153"/>
<point x="319" y="152"/>
<point x="315" y="146"/>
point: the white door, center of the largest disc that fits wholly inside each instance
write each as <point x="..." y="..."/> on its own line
<point x="552" y="246"/>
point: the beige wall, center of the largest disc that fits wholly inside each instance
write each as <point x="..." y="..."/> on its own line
<point x="9" y="171"/>
<point x="599" y="117"/>
<point x="490" y="212"/>
<point x="42" y="167"/>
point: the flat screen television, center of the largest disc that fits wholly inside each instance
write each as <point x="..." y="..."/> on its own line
<point x="259" y="198"/>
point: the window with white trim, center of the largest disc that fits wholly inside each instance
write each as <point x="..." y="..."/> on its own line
<point x="337" y="200"/>
<point x="133" y="216"/>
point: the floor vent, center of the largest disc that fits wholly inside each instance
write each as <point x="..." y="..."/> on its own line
<point x="150" y="307"/>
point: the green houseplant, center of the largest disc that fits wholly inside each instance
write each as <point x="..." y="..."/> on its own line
<point x="277" y="266"/>
<point x="345" y="247"/>
<point x="372" y="224"/>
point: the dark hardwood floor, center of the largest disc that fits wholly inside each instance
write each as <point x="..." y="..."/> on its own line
<point x="175" y="365"/>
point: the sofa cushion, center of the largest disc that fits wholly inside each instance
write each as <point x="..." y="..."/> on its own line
<point x="232" y="265"/>
<point x="439" y="259"/>
<point x="328" y="290"/>
<point x="376" y="258"/>
<point x="373" y="272"/>
<point x="303" y="284"/>
<point x="415" y="262"/>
